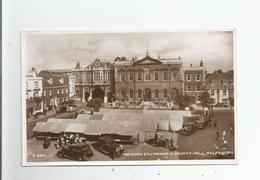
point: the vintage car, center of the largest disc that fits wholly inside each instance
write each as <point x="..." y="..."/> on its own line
<point x="189" y="128"/>
<point x="72" y="108"/>
<point x="77" y="151"/>
<point x="61" y="108"/>
<point x="202" y="122"/>
<point x="108" y="146"/>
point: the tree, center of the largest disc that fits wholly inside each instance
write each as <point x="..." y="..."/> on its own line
<point x="204" y="99"/>
<point x="183" y="101"/>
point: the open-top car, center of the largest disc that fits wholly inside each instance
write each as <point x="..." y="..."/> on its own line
<point x="77" y="151"/>
<point x="108" y="146"/>
<point x="72" y="108"/>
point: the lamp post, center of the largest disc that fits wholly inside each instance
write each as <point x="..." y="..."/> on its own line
<point x="134" y="82"/>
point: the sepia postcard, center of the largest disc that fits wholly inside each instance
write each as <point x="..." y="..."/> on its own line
<point x="128" y="97"/>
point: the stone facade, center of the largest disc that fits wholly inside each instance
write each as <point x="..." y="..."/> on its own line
<point x="93" y="81"/>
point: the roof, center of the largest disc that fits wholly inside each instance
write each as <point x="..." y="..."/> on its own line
<point x="75" y="128"/>
<point x="42" y="127"/>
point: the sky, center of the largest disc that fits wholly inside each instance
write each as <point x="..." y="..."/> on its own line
<point x="62" y="50"/>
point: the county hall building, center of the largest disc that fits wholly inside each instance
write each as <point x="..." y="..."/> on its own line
<point x="147" y="79"/>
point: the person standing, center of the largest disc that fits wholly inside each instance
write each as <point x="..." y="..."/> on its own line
<point x="217" y="136"/>
<point x="223" y="133"/>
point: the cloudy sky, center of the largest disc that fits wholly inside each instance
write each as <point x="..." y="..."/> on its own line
<point x="64" y="50"/>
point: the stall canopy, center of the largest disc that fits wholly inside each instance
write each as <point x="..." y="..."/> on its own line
<point x="75" y="128"/>
<point x="42" y="127"/>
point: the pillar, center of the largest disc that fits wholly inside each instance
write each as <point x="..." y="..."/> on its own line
<point x="83" y="94"/>
<point x="90" y="94"/>
<point x="105" y="95"/>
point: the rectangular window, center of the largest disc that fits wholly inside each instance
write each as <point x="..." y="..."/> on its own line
<point x="156" y="93"/>
<point x="212" y="92"/>
<point x="131" y="76"/>
<point x="139" y="76"/>
<point x="224" y="92"/>
<point x="131" y="93"/>
<point x="122" y="77"/>
<point x="198" y="77"/>
<point x="123" y="93"/>
<point x="27" y="85"/>
<point x="198" y="88"/>
<point x="50" y="92"/>
<point x="174" y="77"/>
<point x="36" y="84"/>
<point x="147" y="76"/>
<point x="62" y="90"/>
<point x="44" y="92"/>
<point x="188" y="77"/>
<point x="139" y="93"/>
<point x="165" y="76"/>
<point x="67" y="90"/>
<point x="165" y="93"/>
<point x="96" y="77"/>
<point x="58" y="91"/>
<point x="156" y="76"/>
<point x="188" y="88"/>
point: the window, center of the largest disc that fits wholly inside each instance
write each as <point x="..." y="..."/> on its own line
<point x="156" y="76"/>
<point x="165" y="76"/>
<point x="222" y="82"/>
<point x="123" y="93"/>
<point x="27" y="85"/>
<point x="122" y="77"/>
<point x="188" y="88"/>
<point x="188" y="77"/>
<point x="198" y="77"/>
<point x="62" y="90"/>
<point x="67" y="89"/>
<point x="139" y="93"/>
<point x="224" y="92"/>
<point x="174" y="77"/>
<point x="212" y="92"/>
<point x="96" y="76"/>
<point x="198" y="88"/>
<point x="44" y="92"/>
<point x="156" y="93"/>
<point x="211" y="82"/>
<point x="139" y="76"/>
<point x="58" y="91"/>
<point x="147" y="75"/>
<point x="231" y="82"/>
<point x="131" y="93"/>
<point x="36" y="84"/>
<point x="165" y="93"/>
<point x="131" y="76"/>
<point x="50" y="92"/>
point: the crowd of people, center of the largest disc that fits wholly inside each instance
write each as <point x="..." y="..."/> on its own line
<point x="67" y="139"/>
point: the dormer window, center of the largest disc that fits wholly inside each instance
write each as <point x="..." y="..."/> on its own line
<point x="61" y="80"/>
<point x="50" y="81"/>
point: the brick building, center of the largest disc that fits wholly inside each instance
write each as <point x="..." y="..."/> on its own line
<point x="194" y="81"/>
<point x="220" y="86"/>
<point x="55" y="87"/>
<point x="147" y="79"/>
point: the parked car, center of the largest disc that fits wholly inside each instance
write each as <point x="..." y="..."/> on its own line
<point x="77" y="151"/>
<point x="188" y="128"/>
<point x="72" y="108"/>
<point x="108" y="146"/>
<point x="202" y="122"/>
